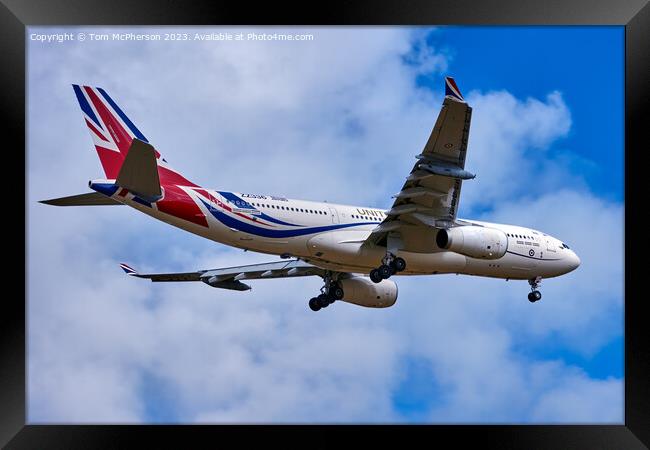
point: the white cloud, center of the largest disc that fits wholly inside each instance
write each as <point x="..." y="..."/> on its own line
<point x="343" y="110"/>
<point x="582" y="400"/>
<point x="507" y="137"/>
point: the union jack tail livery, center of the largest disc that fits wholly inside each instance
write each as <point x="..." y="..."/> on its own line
<point x="113" y="134"/>
<point x="111" y="130"/>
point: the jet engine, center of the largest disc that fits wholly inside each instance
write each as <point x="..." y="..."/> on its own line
<point x="363" y="292"/>
<point x="474" y="241"/>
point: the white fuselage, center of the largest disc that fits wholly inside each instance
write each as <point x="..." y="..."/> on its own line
<point x="331" y="236"/>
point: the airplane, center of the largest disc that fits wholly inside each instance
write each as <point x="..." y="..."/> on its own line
<point x="354" y="249"/>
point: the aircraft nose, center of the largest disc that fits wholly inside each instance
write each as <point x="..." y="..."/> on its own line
<point x="573" y="261"/>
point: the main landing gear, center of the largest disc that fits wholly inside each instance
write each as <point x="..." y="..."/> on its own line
<point x="535" y="295"/>
<point x="330" y="292"/>
<point x="390" y="265"/>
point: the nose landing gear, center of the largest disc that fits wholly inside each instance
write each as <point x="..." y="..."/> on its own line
<point x="330" y="292"/>
<point x="390" y="265"/>
<point x="535" y="295"/>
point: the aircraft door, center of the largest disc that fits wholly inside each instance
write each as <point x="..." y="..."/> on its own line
<point x="335" y="215"/>
<point x="550" y="245"/>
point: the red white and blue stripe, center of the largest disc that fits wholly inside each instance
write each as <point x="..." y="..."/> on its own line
<point x="452" y="90"/>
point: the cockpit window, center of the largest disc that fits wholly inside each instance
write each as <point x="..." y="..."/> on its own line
<point x="564" y="245"/>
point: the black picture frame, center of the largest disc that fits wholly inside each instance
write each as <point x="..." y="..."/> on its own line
<point x="15" y="15"/>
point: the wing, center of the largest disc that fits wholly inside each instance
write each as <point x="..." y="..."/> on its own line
<point x="429" y="198"/>
<point x="229" y="277"/>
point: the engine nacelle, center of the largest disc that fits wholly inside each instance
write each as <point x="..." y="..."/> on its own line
<point x="473" y="241"/>
<point x="363" y="292"/>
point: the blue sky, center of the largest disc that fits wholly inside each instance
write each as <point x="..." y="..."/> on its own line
<point x="584" y="63"/>
<point x="348" y="109"/>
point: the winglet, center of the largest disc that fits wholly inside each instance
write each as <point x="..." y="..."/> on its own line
<point x="129" y="270"/>
<point x="451" y="89"/>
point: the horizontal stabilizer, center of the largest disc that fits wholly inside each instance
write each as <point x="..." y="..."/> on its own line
<point x="139" y="172"/>
<point x="89" y="199"/>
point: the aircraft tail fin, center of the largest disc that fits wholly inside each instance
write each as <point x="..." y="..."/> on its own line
<point x="110" y="128"/>
<point x="113" y="134"/>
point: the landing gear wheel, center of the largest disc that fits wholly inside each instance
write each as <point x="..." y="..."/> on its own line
<point x="375" y="276"/>
<point x="337" y="293"/>
<point x="323" y="301"/>
<point x="314" y="304"/>
<point x="534" y="296"/>
<point x="399" y="264"/>
<point x="384" y="271"/>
